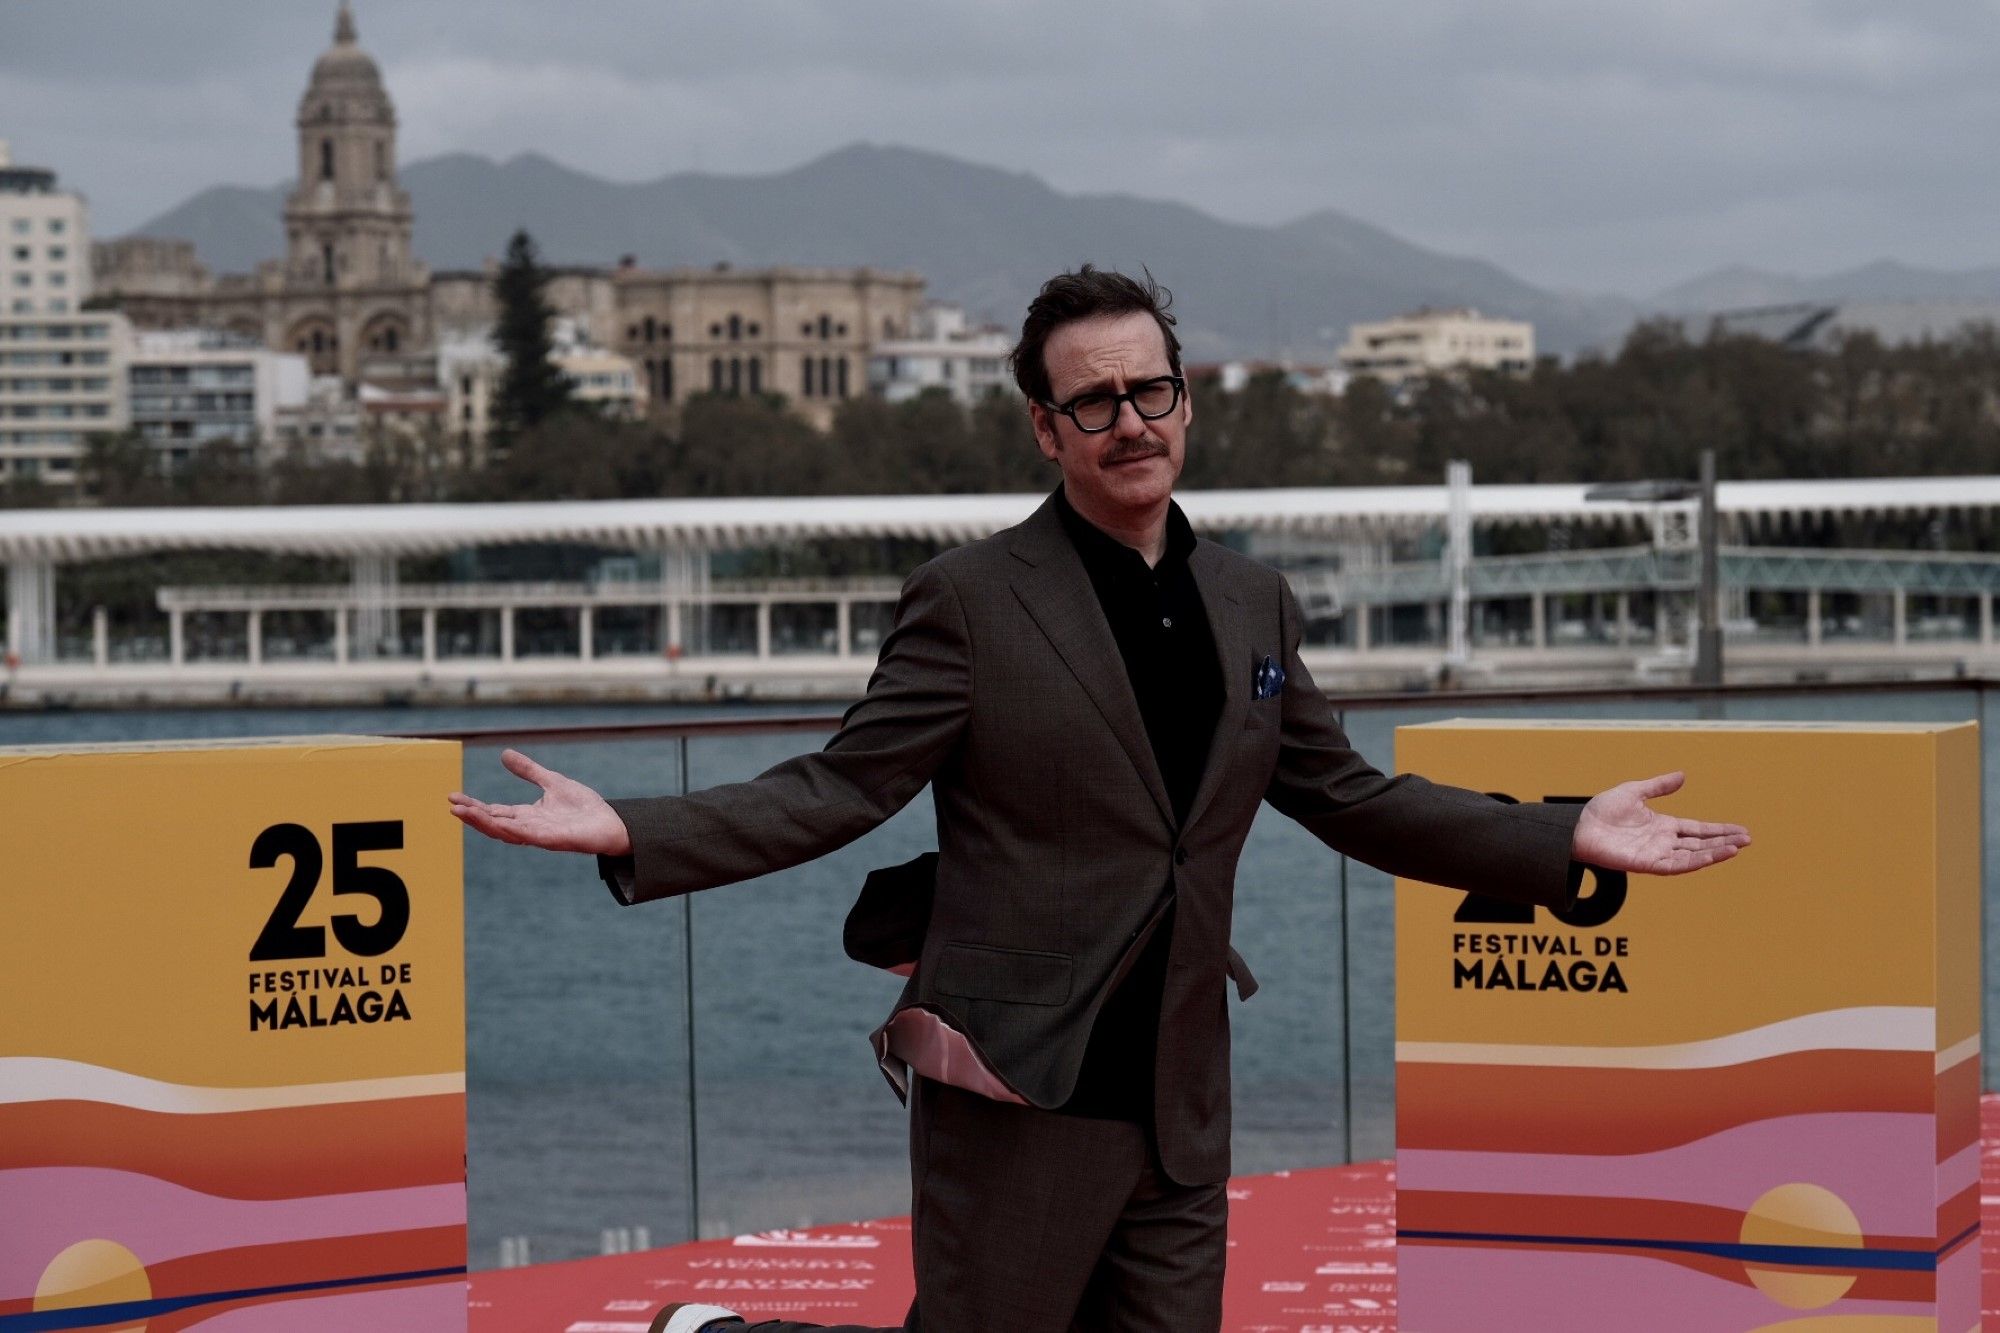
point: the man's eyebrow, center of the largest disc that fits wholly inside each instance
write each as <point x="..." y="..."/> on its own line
<point x="1103" y="385"/>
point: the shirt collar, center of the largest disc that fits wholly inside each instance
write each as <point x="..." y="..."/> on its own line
<point x="1101" y="552"/>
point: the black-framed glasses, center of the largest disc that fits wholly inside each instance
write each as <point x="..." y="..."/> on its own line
<point x="1151" y="399"/>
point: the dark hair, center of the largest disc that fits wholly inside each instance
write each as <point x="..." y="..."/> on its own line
<point x="1088" y="293"/>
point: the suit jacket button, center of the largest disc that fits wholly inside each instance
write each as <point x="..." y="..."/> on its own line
<point x="1180" y="856"/>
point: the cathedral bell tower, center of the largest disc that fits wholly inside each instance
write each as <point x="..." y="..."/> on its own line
<point x="348" y="223"/>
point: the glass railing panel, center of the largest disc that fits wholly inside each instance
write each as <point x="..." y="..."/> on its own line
<point x="796" y="1124"/>
<point x="1288" y="1043"/>
<point x="576" y="1034"/>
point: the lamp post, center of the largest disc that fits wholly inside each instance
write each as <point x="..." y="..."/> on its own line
<point x="1708" y="634"/>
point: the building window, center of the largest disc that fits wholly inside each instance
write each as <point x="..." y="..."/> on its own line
<point x="735" y="374"/>
<point x="805" y="377"/>
<point x="326" y="263"/>
<point x="57" y="226"/>
<point x="632" y="333"/>
<point x="650" y="326"/>
<point x="840" y="330"/>
<point x="381" y="160"/>
<point x="22" y="254"/>
<point x="806" y="329"/>
<point x="667" y="380"/>
<point x="825" y="326"/>
<point x="754" y="330"/>
<point x="59" y="306"/>
<point x="326" y="159"/>
<point x="888" y="327"/>
<point x="735" y="328"/>
<point x="58" y="279"/>
<point x="58" y="254"/>
<point x="666" y="333"/>
<point x="841" y="367"/>
<point x="756" y="374"/>
<point x="715" y="331"/>
<point x="20" y="226"/>
<point x="715" y="374"/>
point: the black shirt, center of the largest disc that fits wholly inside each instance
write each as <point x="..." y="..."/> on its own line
<point x="1156" y="615"/>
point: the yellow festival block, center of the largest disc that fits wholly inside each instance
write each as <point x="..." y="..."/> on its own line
<point x="232" y="1036"/>
<point x="1741" y="1099"/>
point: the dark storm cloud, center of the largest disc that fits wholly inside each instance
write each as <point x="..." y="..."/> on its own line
<point x="1585" y="143"/>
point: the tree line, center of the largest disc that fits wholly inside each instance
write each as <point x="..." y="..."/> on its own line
<point x="1861" y="409"/>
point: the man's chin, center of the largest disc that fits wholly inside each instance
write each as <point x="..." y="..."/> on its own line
<point x="1144" y="481"/>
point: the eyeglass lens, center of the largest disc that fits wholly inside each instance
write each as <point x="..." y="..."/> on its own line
<point x="1153" y="399"/>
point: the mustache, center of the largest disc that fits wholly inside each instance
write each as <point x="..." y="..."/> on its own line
<point x="1144" y="447"/>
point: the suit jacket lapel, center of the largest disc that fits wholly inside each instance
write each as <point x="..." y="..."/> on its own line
<point x="1056" y="590"/>
<point x="1225" y="622"/>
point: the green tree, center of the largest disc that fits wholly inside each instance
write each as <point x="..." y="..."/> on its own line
<point x="579" y="456"/>
<point x="532" y="389"/>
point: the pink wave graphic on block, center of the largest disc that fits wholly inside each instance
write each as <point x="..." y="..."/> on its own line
<point x="51" y="1208"/>
<point x="1442" y="1289"/>
<point x="433" y="1305"/>
<point x="1880" y="1163"/>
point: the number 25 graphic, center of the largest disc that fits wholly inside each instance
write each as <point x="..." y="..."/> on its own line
<point x="283" y="936"/>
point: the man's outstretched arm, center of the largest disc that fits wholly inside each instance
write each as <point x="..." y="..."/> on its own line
<point x="1462" y="839"/>
<point x="888" y="746"/>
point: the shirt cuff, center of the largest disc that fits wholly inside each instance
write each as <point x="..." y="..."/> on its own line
<point x="619" y="873"/>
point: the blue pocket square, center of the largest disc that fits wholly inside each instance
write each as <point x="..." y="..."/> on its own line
<point x="1268" y="680"/>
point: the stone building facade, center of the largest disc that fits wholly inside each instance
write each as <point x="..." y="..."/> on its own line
<point x="802" y="333"/>
<point x="350" y="296"/>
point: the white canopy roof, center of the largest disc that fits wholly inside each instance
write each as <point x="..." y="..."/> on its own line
<point x="426" y="529"/>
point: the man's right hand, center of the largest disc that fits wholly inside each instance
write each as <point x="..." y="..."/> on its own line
<point x="569" y="817"/>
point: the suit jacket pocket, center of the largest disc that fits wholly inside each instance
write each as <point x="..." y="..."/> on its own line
<point x="1263" y="712"/>
<point x="1019" y="976"/>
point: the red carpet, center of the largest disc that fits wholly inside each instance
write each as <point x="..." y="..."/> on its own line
<point x="1311" y="1251"/>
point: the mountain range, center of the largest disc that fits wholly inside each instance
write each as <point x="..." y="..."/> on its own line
<point x="985" y="238"/>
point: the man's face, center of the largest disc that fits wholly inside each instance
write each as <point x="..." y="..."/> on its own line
<point x="1128" y="471"/>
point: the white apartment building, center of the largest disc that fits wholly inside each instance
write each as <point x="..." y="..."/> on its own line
<point x="1411" y="346"/>
<point x="44" y="242"/>
<point x="193" y="387"/>
<point x="62" y="380"/>
<point x="941" y="352"/>
<point x="62" y="371"/>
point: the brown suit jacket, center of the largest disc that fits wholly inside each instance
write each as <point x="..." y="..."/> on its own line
<point x="1001" y="686"/>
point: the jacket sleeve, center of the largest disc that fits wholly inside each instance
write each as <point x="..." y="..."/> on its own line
<point x="888" y="746"/>
<point x="1406" y="825"/>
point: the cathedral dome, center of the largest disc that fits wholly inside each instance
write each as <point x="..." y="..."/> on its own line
<point x="345" y="65"/>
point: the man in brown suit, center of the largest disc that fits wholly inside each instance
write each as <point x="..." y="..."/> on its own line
<point x="1099" y="702"/>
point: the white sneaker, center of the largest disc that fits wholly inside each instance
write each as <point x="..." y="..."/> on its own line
<point x="690" y="1318"/>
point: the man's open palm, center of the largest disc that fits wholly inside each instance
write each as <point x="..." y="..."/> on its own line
<point x="1618" y="831"/>
<point x="569" y="817"/>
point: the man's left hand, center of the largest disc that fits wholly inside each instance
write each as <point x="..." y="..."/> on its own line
<point x="1619" y="832"/>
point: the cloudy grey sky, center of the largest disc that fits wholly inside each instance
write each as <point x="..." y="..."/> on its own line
<point x="1609" y="145"/>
